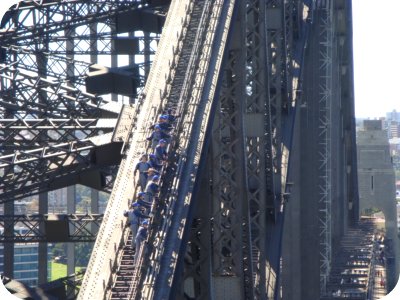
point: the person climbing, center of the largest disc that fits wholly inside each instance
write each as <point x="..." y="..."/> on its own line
<point x="156" y="136"/>
<point x="154" y="162"/>
<point x="163" y="123"/>
<point x="141" y="236"/>
<point x="140" y="198"/>
<point x="161" y="151"/>
<point x="135" y="217"/>
<point x="142" y="167"/>
<point x="152" y="188"/>
<point x="171" y="115"/>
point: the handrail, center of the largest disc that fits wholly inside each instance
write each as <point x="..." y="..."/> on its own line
<point x="105" y="254"/>
<point x="192" y="128"/>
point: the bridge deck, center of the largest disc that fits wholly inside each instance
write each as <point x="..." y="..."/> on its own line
<point x="358" y="272"/>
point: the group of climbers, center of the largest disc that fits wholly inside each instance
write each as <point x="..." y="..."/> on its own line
<point x="149" y="168"/>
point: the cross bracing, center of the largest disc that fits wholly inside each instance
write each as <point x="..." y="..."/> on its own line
<point x="28" y="95"/>
<point x="43" y="82"/>
<point x="236" y="107"/>
<point x="40" y="20"/>
<point x="79" y="228"/>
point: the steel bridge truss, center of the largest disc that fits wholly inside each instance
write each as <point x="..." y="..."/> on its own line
<point x="81" y="228"/>
<point x="325" y="9"/>
<point x="243" y="217"/>
<point x="231" y="142"/>
<point x="50" y="124"/>
<point x="55" y="131"/>
<point x="248" y="162"/>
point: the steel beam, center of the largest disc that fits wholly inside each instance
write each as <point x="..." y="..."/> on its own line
<point x="17" y="26"/>
<point x="259" y="135"/>
<point x="44" y="104"/>
<point x="43" y="249"/>
<point x="80" y="227"/>
<point x="232" y="261"/>
<point x="20" y="91"/>
<point x="325" y="125"/>
<point x="26" y="134"/>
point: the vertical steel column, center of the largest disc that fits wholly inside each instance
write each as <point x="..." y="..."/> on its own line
<point x="231" y="238"/>
<point x="277" y="92"/>
<point x="8" y="263"/>
<point x="71" y="207"/>
<point x="325" y="31"/>
<point x="147" y="51"/>
<point x="8" y="258"/>
<point x="279" y="102"/>
<point x="94" y="199"/>
<point x="71" y="190"/>
<point x="114" y="56"/>
<point x="258" y="143"/>
<point x="42" y="251"/>
<point x="42" y="64"/>
<point x="198" y="257"/>
<point x="94" y="208"/>
<point x="93" y="42"/>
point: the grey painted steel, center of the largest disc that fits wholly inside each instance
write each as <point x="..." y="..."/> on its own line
<point x="55" y="66"/>
<point x="79" y="224"/>
<point x="325" y="147"/>
<point x="71" y="207"/>
<point x="212" y="21"/>
<point x="217" y="32"/>
<point x="104" y="256"/>
<point x="39" y="83"/>
<point x="80" y="13"/>
<point x="21" y="89"/>
<point x="222" y="235"/>
<point x="305" y="227"/>
<point x="231" y="260"/>
<point x="267" y="94"/>
<point x="43" y="94"/>
<point x="43" y="250"/>
<point x="56" y="161"/>
<point x="8" y="263"/>
<point x="198" y="276"/>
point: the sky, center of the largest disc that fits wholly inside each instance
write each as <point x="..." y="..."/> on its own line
<point x="376" y="42"/>
<point x="376" y="46"/>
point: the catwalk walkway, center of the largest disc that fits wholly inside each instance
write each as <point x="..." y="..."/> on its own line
<point x="358" y="269"/>
<point x="380" y="288"/>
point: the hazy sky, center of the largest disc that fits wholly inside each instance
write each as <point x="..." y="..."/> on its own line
<point x="376" y="43"/>
<point x="376" y="26"/>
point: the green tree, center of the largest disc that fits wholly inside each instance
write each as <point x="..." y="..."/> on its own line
<point x="82" y="253"/>
<point x="59" y="249"/>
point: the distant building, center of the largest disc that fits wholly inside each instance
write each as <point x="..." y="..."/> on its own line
<point x="393" y="129"/>
<point x="58" y="201"/>
<point x="393" y="116"/>
<point x="25" y="262"/>
<point x="398" y="216"/>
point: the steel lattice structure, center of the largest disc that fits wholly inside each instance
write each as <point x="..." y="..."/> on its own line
<point x="72" y="112"/>
<point x="43" y="82"/>
<point x="82" y="227"/>
<point x="55" y="131"/>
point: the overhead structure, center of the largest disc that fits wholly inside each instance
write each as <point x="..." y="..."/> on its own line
<point x="50" y="228"/>
<point x="80" y="92"/>
<point x="324" y="198"/>
<point x="55" y="131"/>
<point x="218" y="227"/>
